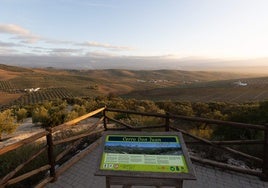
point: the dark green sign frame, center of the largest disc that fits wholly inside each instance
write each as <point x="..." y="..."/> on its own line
<point x="146" y="154"/>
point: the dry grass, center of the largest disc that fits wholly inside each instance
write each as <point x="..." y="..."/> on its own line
<point x="5" y="98"/>
<point x="7" y="75"/>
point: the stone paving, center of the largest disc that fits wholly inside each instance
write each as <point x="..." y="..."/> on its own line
<point x="81" y="175"/>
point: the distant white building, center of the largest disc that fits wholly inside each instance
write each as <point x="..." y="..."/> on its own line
<point x="239" y="83"/>
<point x="32" y="89"/>
<point x="141" y="81"/>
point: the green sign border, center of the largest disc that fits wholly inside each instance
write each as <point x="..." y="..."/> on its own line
<point x="181" y="167"/>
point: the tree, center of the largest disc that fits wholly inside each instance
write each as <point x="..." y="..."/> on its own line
<point x="183" y="109"/>
<point x="178" y="108"/>
<point x="50" y="114"/>
<point x="7" y="123"/>
<point x="57" y="115"/>
<point x="254" y="113"/>
<point x="200" y="108"/>
<point x="90" y="105"/>
<point x="72" y="115"/>
<point x="39" y="114"/>
<point x="21" y="114"/>
<point x="80" y="109"/>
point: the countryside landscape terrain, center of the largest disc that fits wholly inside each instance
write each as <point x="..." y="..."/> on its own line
<point x="20" y="85"/>
<point x="194" y="69"/>
<point x="32" y="99"/>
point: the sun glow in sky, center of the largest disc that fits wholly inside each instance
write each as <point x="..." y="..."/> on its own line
<point x="168" y="28"/>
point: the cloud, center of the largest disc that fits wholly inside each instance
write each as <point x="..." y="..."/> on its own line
<point x="56" y="42"/>
<point x="9" y="47"/>
<point x="9" y="44"/>
<point x="38" y="48"/>
<point x="104" y="45"/>
<point x="94" y="44"/>
<point x="4" y="51"/>
<point x="100" y="54"/>
<point x="13" y="29"/>
<point x="24" y="38"/>
<point x="65" y="52"/>
<point x="28" y="39"/>
<point x="20" y="33"/>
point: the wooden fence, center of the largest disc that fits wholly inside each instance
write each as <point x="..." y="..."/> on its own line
<point x="94" y="129"/>
<point x="10" y="178"/>
<point x="263" y="174"/>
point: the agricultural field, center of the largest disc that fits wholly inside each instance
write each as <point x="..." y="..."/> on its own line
<point x="154" y="85"/>
<point x="224" y="91"/>
<point x="6" y="98"/>
<point x="43" y="95"/>
<point x="6" y="86"/>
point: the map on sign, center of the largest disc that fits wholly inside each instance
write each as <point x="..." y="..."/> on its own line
<point x="143" y="153"/>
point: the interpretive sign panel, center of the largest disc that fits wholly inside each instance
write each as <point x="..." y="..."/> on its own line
<point x="143" y="153"/>
<point x="136" y="154"/>
<point x="144" y="158"/>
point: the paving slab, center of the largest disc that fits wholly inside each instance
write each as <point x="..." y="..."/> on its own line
<point x="81" y="175"/>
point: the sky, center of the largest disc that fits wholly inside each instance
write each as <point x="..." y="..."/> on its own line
<point x="225" y="29"/>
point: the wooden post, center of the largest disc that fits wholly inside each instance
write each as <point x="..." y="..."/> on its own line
<point x="167" y="122"/>
<point x="180" y="185"/>
<point x="108" y="185"/>
<point x="265" y="156"/>
<point x="50" y="154"/>
<point x="104" y="119"/>
<point x="126" y="186"/>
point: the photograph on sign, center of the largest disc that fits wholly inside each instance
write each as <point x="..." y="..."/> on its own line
<point x="143" y="153"/>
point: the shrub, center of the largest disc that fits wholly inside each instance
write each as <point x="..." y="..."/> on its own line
<point x="7" y="123"/>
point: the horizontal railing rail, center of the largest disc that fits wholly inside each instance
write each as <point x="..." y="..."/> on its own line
<point x="193" y="119"/>
<point x="23" y="142"/>
<point x="50" y="143"/>
<point x="216" y="144"/>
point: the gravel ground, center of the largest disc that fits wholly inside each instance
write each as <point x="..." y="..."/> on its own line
<point x="24" y="130"/>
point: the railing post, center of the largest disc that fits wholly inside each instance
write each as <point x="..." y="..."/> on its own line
<point x="50" y="154"/>
<point x="265" y="156"/>
<point x="167" y="122"/>
<point x="104" y="119"/>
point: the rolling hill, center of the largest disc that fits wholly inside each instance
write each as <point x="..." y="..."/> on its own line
<point x="142" y="84"/>
<point x="255" y="89"/>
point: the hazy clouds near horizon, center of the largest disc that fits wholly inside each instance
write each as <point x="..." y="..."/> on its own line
<point x="132" y="63"/>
